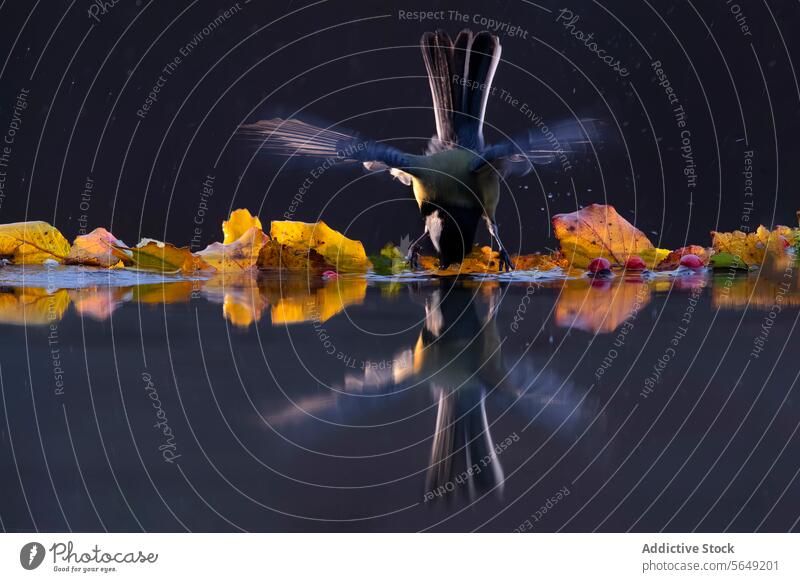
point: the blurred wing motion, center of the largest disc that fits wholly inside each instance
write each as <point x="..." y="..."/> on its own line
<point x="294" y="138"/>
<point x="541" y="145"/>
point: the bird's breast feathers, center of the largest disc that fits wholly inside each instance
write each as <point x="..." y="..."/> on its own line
<point x="445" y="178"/>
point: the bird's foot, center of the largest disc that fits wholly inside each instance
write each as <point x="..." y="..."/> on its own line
<point x="413" y="258"/>
<point x="505" y="261"/>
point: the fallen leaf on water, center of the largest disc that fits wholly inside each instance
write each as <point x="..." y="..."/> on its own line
<point x="484" y="260"/>
<point x="32" y="243"/>
<point x="428" y="263"/>
<point x="750" y="247"/>
<point x="726" y="261"/>
<point x="238" y="223"/>
<point x="344" y="255"/>
<point x="599" y="231"/>
<point x="274" y="255"/>
<point x="389" y="261"/>
<point x="161" y="257"/>
<point x="33" y="306"/>
<point x="540" y="262"/>
<point x="239" y="255"/>
<point x="96" y="249"/>
<point x="600" y="307"/>
<point x="479" y="260"/>
<point x="792" y="235"/>
<point x="673" y="260"/>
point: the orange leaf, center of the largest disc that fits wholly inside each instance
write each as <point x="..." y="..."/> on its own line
<point x="96" y="249"/>
<point x="539" y="262"/>
<point x="599" y="231"/>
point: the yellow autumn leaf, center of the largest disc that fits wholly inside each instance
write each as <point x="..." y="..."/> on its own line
<point x="161" y="257"/>
<point x="239" y="255"/>
<point x="792" y="235"/>
<point x="32" y="243"/>
<point x="344" y="254"/>
<point x="95" y="249"/>
<point x="274" y="255"/>
<point x="478" y="260"/>
<point x="750" y="247"/>
<point x="539" y="262"/>
<point x="599" y="231"/>
<point x="238" y="223"/>
<point x="485" y="260"/>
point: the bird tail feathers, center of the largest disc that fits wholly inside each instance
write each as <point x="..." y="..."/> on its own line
<point x="460" y="75"/>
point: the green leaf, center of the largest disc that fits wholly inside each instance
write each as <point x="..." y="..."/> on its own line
<point x="726" y="261"/>
<point x="390" y="261"/>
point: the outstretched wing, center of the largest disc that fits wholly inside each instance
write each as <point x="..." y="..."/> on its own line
<point x="295" y="138"/>
<point x="540" y="145"/>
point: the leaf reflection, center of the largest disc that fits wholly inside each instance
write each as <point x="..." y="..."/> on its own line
<point x="244" y="299"/>
<point x="600" y="306"/>
<point x="591" y="305"/>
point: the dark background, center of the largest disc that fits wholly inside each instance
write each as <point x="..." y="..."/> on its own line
<point x="357" y="63"/>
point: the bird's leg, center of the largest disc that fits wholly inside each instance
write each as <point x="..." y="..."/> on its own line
<point x="412" y="256"/>
<point x="505" y="259"/>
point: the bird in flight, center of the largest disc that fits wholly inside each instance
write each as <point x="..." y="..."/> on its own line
<point x="456" y="181"/>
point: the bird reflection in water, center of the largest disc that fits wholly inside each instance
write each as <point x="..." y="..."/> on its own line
<point x="458" y="356"/>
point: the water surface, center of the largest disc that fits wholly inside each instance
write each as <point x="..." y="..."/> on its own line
<point x="268" y="404"/>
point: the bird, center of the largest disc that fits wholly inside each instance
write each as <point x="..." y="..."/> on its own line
<point x="456" y="180"/>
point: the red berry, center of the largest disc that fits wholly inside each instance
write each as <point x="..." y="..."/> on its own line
<point x="635" y="263"/>
<point x="599" y="264"/>
<point x="691" y="261"/>
<point x="784" y="241"/>
<point x="330" y="275"/>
